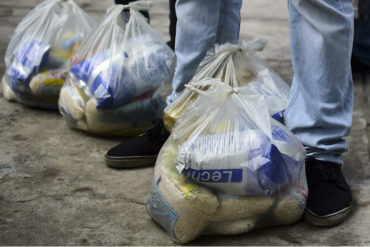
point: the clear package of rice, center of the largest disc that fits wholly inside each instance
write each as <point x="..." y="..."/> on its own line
<point x="39" y="52"/>
<point x="228" y="145"/>
<point x="236" y="65"/>
<point x="119" y="77"/>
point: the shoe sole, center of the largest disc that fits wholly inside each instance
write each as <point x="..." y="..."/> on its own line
<point x="131" y="162"/>
<point x="327" y="220"/>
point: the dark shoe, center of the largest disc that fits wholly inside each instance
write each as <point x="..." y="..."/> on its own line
<point x="329" y="196"/>
<point x="139" y="151"/>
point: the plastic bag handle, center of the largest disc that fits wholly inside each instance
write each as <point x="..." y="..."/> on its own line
<point x="227" y="91"/>
<point x="254" y="45"/>
<point x="139" y="5"/>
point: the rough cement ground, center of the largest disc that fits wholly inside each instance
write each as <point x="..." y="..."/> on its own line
<point x="56" y="190"/>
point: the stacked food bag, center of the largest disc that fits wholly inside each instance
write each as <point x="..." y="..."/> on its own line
<point x="236" y="65"/>
<point x="228" y="167"/>
<point x="39" y="51"/>
<point x="120" y="75"/>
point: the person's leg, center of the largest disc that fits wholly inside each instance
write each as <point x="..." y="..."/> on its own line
<point x="200" y="25"/>
<point x="319" y="111"/>
<point x="360" y="61"/>
<point x="173" y="23"/>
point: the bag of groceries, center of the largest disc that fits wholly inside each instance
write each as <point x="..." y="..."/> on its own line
<point x="236" y="65"/>
<point x="228" y="166"/>
<point x="39" y="52"/>
<point x="119" y="76"/>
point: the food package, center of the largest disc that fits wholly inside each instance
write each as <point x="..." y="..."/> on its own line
<point x="39" y="52"/>
<point x="228" y="145"/>
<point x="120" y="75"/>
<point x="236" y="65"/>
<point x="235" y="146"/>
<point x="181" y="206"/>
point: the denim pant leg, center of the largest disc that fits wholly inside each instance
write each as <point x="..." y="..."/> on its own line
<point x="320" y="105"/>
<point x="201" y="24"/>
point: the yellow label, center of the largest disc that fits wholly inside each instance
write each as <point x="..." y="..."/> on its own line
<point x="54" y="82"/>
<point x="63" y="54"/>
<point x="80" y="92"/>
<point x="187" y="188"/>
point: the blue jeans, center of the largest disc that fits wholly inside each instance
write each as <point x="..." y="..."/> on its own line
<point x="320" y="105"/>
<point x="200" y="25"/>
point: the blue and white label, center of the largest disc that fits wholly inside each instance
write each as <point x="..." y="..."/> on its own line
<point x="214" y="176"/>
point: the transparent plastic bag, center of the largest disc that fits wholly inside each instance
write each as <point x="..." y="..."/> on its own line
<point x="229" y="144"/>
<point x="121" y="73"/>
<point x="39" y="52"/>
<point x="236" y="65"/>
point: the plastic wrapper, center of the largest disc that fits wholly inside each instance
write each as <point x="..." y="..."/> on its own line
<point x="119" y="76"/>
<point x="236" y="65"/>
<point x="228" y="147"/>
<point x="39" y="52"/>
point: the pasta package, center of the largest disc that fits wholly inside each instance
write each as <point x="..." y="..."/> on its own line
<point x="39" y="52"/>
<point x="120" y="75"/>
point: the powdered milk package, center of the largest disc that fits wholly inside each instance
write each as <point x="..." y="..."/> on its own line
<point x="39" y="51"/>
<point x="119" y="76"/>
<point x="228" y="147"/>
<point x="236" y="65"/>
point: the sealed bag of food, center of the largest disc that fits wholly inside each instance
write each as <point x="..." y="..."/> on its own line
<point x="236" y="65"/>
<point x="39" y="52"/>
<point x="229" y="145"/>
<point x="119" y="77"/>
<point x="235" y="146"/>
<point x="181" y="206"/>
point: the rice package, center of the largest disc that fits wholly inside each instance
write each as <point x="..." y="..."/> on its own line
<point x="39" y="51"/>
<point x="228" y="147"/>
<point x="120" y="75"/>
<point x="237" y="65"/>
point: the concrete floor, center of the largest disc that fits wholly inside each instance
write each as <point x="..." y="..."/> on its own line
<point x="56" y="190"/>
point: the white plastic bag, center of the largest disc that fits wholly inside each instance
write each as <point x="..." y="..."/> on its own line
<point x="235" y="146"/>
<point x="236" y="65"/>
<point x="121" y="72"/>
<point x="41" y="47"/>
<point x="229" y="144"/>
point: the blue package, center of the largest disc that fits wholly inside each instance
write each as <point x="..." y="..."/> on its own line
<point x="109" y="83"/>
<point x="254" y="168"/>
<point x="27" y="61"/>
<point x="113" y="84"/>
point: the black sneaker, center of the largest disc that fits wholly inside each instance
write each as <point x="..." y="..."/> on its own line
<point x="139" y="151"/>
<point x="329" y="196"/>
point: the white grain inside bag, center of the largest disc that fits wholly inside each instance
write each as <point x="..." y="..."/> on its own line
<point x="231" y="227"/>
<point x="182" y="207"/>
<point x="234" y="207"/>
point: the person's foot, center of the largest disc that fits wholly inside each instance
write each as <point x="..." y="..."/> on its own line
<point x="139" y="151"/>
<point x="329" y="196"/>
